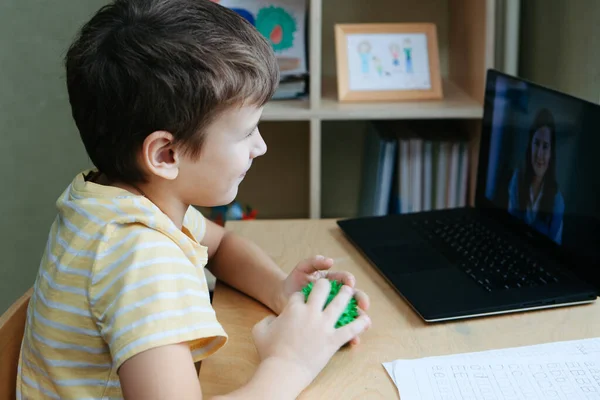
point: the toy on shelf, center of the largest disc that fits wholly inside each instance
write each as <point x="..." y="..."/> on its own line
<point x="232" y="212"/>
<point x="351" y="311"/>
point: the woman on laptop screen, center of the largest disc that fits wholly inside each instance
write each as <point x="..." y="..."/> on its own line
<point x="533" y="191"/>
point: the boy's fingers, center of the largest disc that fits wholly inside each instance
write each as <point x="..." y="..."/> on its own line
<point x="342" y="276"/>
<point x="347" y="332"/>
<point x="362" y="300"/>
<point x="356" y="339"/>
<point x="353" y="342"/>
<point x="338" y="304"/>
<point x="316" y="262"/>
<point x="318" y="295"/>
<point x="321" y="262"/>
<point x="296" y="297"/>
<point x="315" y="267"/>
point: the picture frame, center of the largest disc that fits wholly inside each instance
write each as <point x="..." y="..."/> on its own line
<point x="387" y="62"/>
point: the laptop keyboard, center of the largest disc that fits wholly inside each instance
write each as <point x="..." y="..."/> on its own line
<point x="488" y="258"/>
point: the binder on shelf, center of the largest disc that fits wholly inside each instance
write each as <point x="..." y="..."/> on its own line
<point x="441" y="177"/>
<point x="430" y="170"/>
<point x="463" y="174"/>
<point x="453" y="164"/>
<point x="428" y="175"/>
<point x="403" y="197"/>
<point x="379" y="159"/>
<point x="416" y="173"/>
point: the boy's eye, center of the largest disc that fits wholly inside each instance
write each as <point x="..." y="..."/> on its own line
<point x="251" y="132"/>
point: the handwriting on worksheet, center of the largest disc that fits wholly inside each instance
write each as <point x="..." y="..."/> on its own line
<point x="561" y="371"/>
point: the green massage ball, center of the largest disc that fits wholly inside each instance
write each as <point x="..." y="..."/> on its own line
<point x="351" y="311"/>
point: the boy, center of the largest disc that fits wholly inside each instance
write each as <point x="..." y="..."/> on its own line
<point x="167" y="95"/>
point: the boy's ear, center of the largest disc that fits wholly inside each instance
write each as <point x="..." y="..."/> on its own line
<point x="159" y="156"/>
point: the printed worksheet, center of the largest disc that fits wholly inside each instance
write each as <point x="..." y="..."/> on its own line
<point x="562" y="370"/>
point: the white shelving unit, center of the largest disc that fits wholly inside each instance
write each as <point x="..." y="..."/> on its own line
<point x="289" y="183"/>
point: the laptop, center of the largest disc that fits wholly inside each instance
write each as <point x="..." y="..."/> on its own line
<point x="532" y="238"/>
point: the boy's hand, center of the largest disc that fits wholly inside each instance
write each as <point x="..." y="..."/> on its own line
<point x="311" y="270"/>
<point x="304" y="338"/>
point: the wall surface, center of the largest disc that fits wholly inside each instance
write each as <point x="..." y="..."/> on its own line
<point x="560" y="42"/>
<point x="40" y="148"/>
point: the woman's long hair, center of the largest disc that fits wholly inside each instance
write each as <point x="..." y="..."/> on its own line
<point x="544" y="118"/>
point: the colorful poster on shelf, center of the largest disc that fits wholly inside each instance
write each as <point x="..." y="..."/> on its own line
<point x="389" y="61"/>
<point x="283" y="23"/>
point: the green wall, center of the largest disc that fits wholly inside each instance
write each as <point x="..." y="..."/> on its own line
<point x="560" y="45"/>
<point x="40" y="148"/>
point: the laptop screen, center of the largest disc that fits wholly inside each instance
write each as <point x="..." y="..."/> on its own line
<point x="543" y="160"/>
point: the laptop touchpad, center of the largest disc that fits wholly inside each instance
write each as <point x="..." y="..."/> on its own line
<point x="405" y="258"/>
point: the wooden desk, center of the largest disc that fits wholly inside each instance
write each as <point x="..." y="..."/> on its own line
<point x="397" y="332"/>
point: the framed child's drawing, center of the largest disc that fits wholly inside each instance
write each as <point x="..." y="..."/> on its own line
<point x="387" y="62"/>
<point x="282" y="22"/>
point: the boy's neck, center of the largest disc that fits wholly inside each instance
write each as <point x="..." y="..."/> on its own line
<point x="170" y="206"/>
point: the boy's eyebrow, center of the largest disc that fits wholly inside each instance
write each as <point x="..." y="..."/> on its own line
<point x="254" y="126"/>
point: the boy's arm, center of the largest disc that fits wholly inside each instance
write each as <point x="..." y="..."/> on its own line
<point x="293" y="347"/>
<point x="243" y="265"/>
<point x="167" y="372"/>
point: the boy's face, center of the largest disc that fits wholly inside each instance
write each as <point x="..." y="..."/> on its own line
<point x="232" y="141"/>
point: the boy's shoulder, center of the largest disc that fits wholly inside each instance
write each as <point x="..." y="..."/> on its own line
<point x="108" y="232"/>
<point x="92" y="210"/>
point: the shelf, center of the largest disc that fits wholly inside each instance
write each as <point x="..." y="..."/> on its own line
<point x="327" y="158"/>
<point x="456" y="104"/>
<point x="287" y="110"/>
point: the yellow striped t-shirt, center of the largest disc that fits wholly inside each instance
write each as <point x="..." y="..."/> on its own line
<point x="117" y="278"/>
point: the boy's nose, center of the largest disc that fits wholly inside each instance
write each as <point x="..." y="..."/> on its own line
<point x="260" y="148"/>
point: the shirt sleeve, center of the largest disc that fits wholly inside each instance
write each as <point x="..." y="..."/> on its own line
<point x="146" y="293"/>
<point x="195" y="222"/>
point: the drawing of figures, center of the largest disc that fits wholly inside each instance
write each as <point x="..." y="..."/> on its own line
<point x="364" y="51"/>
<point x="395" y="50"/>
<point x="408" y="55"/>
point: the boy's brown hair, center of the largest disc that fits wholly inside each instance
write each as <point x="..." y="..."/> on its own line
<point x="139" y="66"/>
